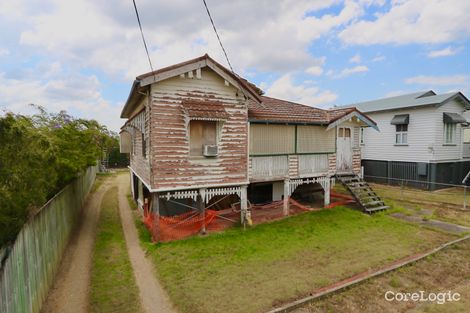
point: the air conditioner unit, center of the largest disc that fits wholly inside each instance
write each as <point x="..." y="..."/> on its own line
<point x="210" y="150"/>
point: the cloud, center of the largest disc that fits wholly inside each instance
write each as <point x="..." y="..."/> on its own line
<point x="442" y="52"/>
<point x="378" y="58"/>
<point x="413" y="21"/>
<point x="438" y="80"/>
<point x="4" y="52"/>
<point x="315" y="70"/>
<point x="355" y="59"/>
<point x="305" y="93"/>
<point x="278" y="33"/>
<point x="348" y="71"/>
<point x="80" y="95"/>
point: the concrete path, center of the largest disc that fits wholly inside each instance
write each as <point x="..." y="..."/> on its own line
<point x="444" y="226"/>
<point x="153" y="297"/>
<point x="69" y="293"/>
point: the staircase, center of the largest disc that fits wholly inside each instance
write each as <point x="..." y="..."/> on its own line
<point x="362" y="193"/>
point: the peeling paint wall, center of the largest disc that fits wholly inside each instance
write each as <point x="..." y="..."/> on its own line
<point x="172" y="167"/>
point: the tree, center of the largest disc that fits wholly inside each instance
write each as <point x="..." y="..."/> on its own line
<point x="39" y="155"/>
<point x="26" y="173"/>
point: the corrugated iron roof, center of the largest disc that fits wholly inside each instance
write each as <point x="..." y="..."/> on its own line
<point x="410" y="100"/>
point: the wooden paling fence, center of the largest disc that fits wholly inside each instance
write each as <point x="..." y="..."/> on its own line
<point x="29" y="270"/>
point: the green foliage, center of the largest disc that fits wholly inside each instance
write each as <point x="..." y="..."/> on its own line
<point x="115" y="157"/>
<point x="26" y="173"/>
<point x="39" y="155"/>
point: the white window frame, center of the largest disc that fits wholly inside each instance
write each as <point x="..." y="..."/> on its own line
<point x="450" y="133"/>
<point x="361" y="136"/>
<point x="401" y="137"/>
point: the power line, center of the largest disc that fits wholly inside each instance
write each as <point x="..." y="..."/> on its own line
<point x="142" y="33"/>
<point x="218" y="38"/>
<point x="222" y="46"/>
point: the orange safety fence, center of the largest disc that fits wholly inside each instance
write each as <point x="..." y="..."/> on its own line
<point x="177" y="227"/>
<point x="343" y="199"/>
<point x="168" y="228"/>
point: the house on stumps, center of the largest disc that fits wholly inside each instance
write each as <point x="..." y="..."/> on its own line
<point x="196" y="133"/>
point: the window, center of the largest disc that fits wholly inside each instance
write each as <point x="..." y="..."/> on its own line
<point x="201" y="133"/>
<point x="401" y="135"/>
<point x="344" y="132"/>
<point x="466" y="135"/>
<point x="450" y="133"/>
<point x="133" y="145"/>
<point x="144" y="146"/>
<point x="361" y="135"/>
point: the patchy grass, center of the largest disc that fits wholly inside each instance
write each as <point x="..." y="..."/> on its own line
<point x="131" y="202"/>
<point x="113" y="287"/>
<point x="445" y="204"/>
<point x="448" y="270"/>
<point x="254" y="270"/>
<point x="100" y="179"/>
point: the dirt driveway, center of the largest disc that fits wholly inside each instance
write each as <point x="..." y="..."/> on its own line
<point x="70" y="291"/>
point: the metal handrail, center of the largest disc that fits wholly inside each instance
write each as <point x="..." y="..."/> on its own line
<point x="466" y="178"/>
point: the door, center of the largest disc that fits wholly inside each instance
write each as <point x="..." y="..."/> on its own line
<point x="344" y="150"/>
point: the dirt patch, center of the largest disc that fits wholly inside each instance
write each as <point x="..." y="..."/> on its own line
<point x="447" y="270"/>
<point x="153" y="297"/>
<point x="69" y="293"/>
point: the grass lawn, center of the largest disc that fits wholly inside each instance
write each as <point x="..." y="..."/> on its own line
<point x="448" y="270"/>
<point x="269" y="264"/>
<point x="113" y="289"/>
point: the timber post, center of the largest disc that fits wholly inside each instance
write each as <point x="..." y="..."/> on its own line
<point x="201" y="206"/>
<point x="327" y="192"/>
<point x="285" y="206"/>
<point x="243" y="204"/>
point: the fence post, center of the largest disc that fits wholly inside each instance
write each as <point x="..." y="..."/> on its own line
<point x="465" y="197"/>
<point x="401" y="189"/>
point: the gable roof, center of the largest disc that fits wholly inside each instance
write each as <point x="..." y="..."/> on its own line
<point x="183" y="67"/>
<point x="272" y="110"/>
<point x="410" y="100"/>
<point x="260" y="108"/>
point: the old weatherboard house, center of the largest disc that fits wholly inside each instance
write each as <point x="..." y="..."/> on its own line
<point x="196" y="131"/>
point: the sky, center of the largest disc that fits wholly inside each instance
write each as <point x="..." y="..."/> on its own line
<point x="82" y="56"/>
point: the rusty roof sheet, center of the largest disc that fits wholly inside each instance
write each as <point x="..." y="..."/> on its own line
<point x="207" y="110"/>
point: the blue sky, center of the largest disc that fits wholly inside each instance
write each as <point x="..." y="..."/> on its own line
<point x="82" y="56"/>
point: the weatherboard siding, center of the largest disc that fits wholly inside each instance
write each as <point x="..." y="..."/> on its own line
<point x="171" y="165"/>
<point x="425" y="136"/>
<point x="140" y="164"/>
<point x="421" y="134"/>
<point x="443" y="152"/>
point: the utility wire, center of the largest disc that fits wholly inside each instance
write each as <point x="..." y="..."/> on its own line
<point x="218" y="38"/>
<point x="142" y="33"/>
<point x="222" y="46"/>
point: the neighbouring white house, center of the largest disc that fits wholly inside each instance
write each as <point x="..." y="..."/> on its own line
<point x="423" y="136"/>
